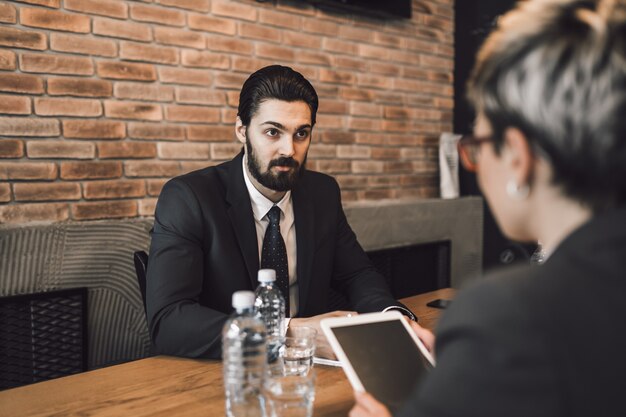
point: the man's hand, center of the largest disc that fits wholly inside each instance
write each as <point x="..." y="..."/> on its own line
<point x="322" y="348"/>
<point x="426" y="336"/>
<point x="368" y="406"/>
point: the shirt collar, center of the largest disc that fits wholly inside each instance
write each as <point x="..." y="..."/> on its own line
<point x="261" y="204"/>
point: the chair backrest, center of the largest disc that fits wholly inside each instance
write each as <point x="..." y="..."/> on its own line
<point x="141" y="268"/>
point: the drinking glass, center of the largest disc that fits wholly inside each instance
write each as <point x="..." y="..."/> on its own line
<point x="298" y="351"/>
<point x="288" y="395"/>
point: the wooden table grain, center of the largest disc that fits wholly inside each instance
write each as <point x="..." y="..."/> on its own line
<point x="169" y="386"/>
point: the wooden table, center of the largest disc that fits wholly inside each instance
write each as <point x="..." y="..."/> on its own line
<point x="169" y="386"/>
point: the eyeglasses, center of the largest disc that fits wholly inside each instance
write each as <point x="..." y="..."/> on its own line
<point x="468" y="147"/>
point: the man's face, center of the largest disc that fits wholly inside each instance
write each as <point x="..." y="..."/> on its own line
<point x="277" y="141"/>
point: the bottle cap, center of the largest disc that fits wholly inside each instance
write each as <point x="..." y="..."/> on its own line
<point x="267" y="275"/>
<point x="243" y="299"/>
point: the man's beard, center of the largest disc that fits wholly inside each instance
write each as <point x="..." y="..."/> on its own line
<point x="279" y="181"/>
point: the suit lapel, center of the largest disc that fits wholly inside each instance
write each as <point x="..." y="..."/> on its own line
<point x="242" y="219"/>
<point x="305" y="233"/>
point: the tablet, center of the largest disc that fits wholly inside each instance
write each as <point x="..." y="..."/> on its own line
<point x="380" y="354"/>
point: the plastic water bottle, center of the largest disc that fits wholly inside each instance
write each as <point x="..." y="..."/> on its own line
<point x="270" y="307"/>
<point x="244" y="355"/>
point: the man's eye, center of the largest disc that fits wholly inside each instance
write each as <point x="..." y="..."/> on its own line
<point x="302" y="134"/>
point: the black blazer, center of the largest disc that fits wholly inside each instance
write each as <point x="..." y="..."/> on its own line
<point x="538" y="341"/>
<point x="204" y="248"/>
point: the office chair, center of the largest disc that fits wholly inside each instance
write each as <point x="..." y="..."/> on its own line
<point x="141" y="268"/>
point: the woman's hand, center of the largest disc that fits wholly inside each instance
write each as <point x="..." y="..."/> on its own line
<point x="368" y="406"/>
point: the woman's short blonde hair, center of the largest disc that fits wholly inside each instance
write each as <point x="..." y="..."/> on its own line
<point x="556" y="69"/>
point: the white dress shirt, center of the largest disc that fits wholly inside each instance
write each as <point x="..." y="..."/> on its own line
<point x="261" y="205"/>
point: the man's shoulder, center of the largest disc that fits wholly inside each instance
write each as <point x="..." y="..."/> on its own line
<point x="317" y="180"/>
<point x="204" y="177"/>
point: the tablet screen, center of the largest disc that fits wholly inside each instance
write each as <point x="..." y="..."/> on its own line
<point x="385" y="358"/>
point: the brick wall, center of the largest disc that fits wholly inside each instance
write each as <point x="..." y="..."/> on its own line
<point x="101" y="101"/>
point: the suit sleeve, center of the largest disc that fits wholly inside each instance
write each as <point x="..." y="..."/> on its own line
<point x="353" y="273"/>
<point x="178" y="323"/>
<point x="491" y="362"/>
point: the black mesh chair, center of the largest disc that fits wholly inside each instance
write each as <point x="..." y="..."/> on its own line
<point x="141" y="268"/>
<point x="42" y="336"/>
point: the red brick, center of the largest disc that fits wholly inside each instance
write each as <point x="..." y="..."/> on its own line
<point x="140" y="52"/>
<point x="27" y="171"/>
<point x="212" y="24"/>
<point x="332" y="106"/>
<point x="356" y="33"/>
<point x="249" y="65"/>
<point x="117" y="9"/>
<point x="21" y="83"/>
<point x="378" y="181"/>
<point x="362" y="123"/>
<point x="370" y="138"/>
<point x="153" y="14"/>
<point x="11" y="148"/>
<point x="340" y="46"/>
<point x="265" y="50"/>
<point x="402" y="140"/>
<point x="333" y="166"/>
<point x="256" y="31"/>
<point x="46" y="191"/>
<point x="54" y="4"/>
<point x="204" y="59"/>
<point x="79" y="87"/>
<point x="56" y="64"/>
<point x="179" y="37"/>
<point x="81" y="45"/>
<point x="20" y="126"/>
<point x="189" y="166"/>
<point x="316" y="58"/>
<point x="222" y="151"/>
<point x="147" y="206"/>
<point x="25" y="213"/>
<point x="349" y="63"/>
<point x="338" y="137"/>
<point x="397" y="112"/>
<point x="228" y="116"/>
<point x="235" y="10"/>
<point x="104" y="210"/>
<point x="97" y="190"/>
<point x="198" y="5"/>
<point x="281" y="19"/>
<point x="126" y="71"/>
<point x="93" y="129"/>
<point x="386" y="153"/>
<point x="227" y="80"/>
<point x="299" y="8"/>
<point x="396" y="126"/>
<point x="323" y="27"/>
<point x="308" y="72"/>
<point x="366" y="167"/>
<point x="365" y="109"/>
<point x="437" y="62"/>
<point x="185" y="76"/>
<point x="60" y="149"/>
<point x="380" y="194"/>
<point x="10" y="104"/>
<point x="8" y="14"/>
<point x="131" y="150"/>
<point x="387" y="39"/>
<point x="195" y="95"/>
<point x="376" y="52"/>
<point x="54" y="20"/>
<point x="151" y="131"/>
<point x="121" y="29"/>
<point x="232" y="97"/>
<point x="192" y="114"/>
<point x="22" y="39"/>
<point x="303" y="40"/>
<point x="154" y="187"/>
<point x="132" y="110"/>
<point x="319" y="151"/>
<point x="351" y="181"/>
<point x="229" y="44"/>
<point x="5" y="193"/>
<point x="143" y="91"/>
<point x="353" y="152"/>
<point x="8" y="60"/>
<point x="151" y="168"/>
<point x="183" y="151"/>
<point x="339" y="77"/>
<point x="68" y="107"/>
<point x="90" y="170"/>
<point x="211" y="133"/>
<point x="358" y="94"/>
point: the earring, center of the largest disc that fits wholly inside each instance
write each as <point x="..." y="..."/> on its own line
<point x="517" y="192"/>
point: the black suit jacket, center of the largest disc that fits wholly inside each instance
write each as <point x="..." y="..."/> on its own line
<point x="204" y="248"/>
<point x="538" y="341"/>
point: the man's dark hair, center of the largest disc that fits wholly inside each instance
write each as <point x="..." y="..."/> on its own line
<point x="275" y="82"/>
<point x="555" y="70"/>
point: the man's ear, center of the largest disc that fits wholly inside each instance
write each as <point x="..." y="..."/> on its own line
<point x="240" y="130"/>
<point x="518" y="155"/>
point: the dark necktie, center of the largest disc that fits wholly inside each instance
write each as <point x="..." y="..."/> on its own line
<point x="274" y="254"/>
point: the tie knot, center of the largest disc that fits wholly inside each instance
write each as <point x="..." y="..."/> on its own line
<point x="274" y="215"/>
